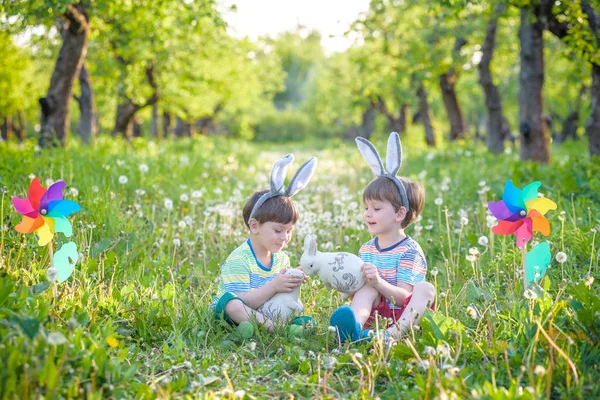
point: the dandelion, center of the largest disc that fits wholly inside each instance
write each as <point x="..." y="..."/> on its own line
<point x="177" y="242"/>
<point x="182" y="224"/>
<point x="112" y="341"/>
<point x="140" y="192"/>
<point x="184" y="197"/>
<point x="474" y="251"/>
<point x="471" y="258"/>
<point x="438" y="201"/>
<point x="196" y="194"/>
<point x="168" y="203"/>
<point x="332" y="329"/>
<point x="452" y="372"/>
<point x="539" y="370"/>
<point x="329" y="362"/>
<point x="31" y="176"/>
<point x="561" y="257"/>
<point x="530" y="294"/>
<point x="434" y="271"/>
<point x="95" y="189"/>
<point x="51" y="274"/>
<point x="218" y="191"/>
<point x="144" y="168"/>
<point x="464" y="221"/>
<point x="589" y="281"/>
<point x="483" y="240"/>
<point x="123" y="179"/>
<point x="472" y="312"/>
<point x="429" y="351"/>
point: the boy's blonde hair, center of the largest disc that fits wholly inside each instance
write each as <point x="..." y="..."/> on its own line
<point x="280" y="209"/>
<point x="384" y="189"/>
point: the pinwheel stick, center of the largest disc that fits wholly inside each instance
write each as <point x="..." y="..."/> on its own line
<point x="523" y="253"/>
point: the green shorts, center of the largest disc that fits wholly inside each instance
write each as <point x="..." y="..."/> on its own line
<point x="220" y="307"/>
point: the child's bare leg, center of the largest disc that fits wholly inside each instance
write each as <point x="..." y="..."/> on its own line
<point x="239" y="312"/>
<point x="423" y="296"/>
<point x="363" y="301"/>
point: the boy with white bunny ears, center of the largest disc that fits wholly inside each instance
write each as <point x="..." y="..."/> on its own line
<point x="254" y="272"/>
<point x="394" y="265"/>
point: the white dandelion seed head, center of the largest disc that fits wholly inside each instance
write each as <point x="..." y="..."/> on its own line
<point x="123" y="180"/>
<point x="144" y="168"/>
<point x="561" y="257"/>
<point x="168" y="203"/>
<point x="438" y="201"/>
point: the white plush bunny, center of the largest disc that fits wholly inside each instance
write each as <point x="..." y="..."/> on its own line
<point x="340" y="271"/>
<point x="282" y="306"/>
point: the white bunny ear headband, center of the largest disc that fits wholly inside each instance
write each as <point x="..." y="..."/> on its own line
<point x="393" y="161"/>
<point x="298" y="182"/>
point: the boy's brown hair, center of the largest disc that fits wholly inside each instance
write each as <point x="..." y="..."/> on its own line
<point x="280" y="209"/>
<point x="384" y="189"/>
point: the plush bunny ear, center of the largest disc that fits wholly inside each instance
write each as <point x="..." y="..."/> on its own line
<point x="393" y="159"/>
<point x="302" y="177"/>
<point x="310" y="245"/>
<point x="278" y="173"/>
<point x="371" y="155"/>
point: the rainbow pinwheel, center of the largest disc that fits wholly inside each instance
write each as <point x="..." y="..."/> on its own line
<point x="521" y="212"/>
<point x="45" y="211"/>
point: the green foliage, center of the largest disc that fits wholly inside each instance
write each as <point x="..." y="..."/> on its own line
<point x="133" y="321"/>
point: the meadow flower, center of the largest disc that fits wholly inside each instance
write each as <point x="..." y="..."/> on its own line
<point x="474" y="251"/>
<point x="168" y="203"/>
<point x="31" y="176"/>
<point x="539" y="370"/>
<point x="184" y="197"/>
<point x="95" y="188"/>
<point x="196" y="194"/>
<point x="589" y="281"/>
<point x="182" y="224"/>
<point x="464" y="221"/>
<point x="51" y="274"/>
<point x="483" y="240"/>
<point x="329" y="362"/>
<point x="561" y="257"/>
<point x="140" y="192"/>
<point x="123" y="179"/>
<point x="120" y="163"/>
<point x="452" y="372"/>
<point x="434" y="271"/>
<point x="429" y="351"/>
<point x="144" y="168"/>
<point x="438" y="201"/>
<point x="530" y="294"/>
<point x="472" y="312"/>
<point x="471" y="257"/>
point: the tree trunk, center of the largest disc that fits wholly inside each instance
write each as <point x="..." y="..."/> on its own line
<point x="87" y="126"/>
<point x="396" y="123"/>
<point x="126" y="108"/>
<point x="368" y="121"/>
<point x="166" y="124"/>
<point x="7" y="128"/>
<point x="154" y="124"/>
<point x="136" y="127"/>
<point x="493" y="102"/>
<point x="21" y="130"/>
<point x="592" y="128"/>
<point x="532" y="125"/>
<point x="182" y="128"/>
<point x="55" y="106"/>
<point x="425" y="116"/>
<point x="448" y="81"/>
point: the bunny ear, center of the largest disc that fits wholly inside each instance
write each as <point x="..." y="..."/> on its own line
<point x="278" y="173"/>
<point x="310" y="245"/>
<point x="393" y="159"/>
<point x="302" y="177"/>
<point x="370" y="154"/>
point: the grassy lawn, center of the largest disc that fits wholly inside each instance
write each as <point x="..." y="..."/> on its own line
<point x="133" y="321"/>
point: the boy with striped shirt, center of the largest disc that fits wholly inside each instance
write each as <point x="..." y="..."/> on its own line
<point x="394" y="265"/>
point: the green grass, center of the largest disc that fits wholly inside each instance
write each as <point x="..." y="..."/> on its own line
<point x="133" y="321"/>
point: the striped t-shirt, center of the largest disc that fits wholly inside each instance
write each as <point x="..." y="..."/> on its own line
<point x="242" y="272"/>
<point x="402" y="262"/>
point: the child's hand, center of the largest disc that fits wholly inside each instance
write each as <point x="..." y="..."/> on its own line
<point x="304" y="276"/>
<point x="286" y="283"/>
<point x="370" y="274"/>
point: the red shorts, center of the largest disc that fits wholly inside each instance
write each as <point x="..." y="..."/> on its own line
<point x="384" y="311"/>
